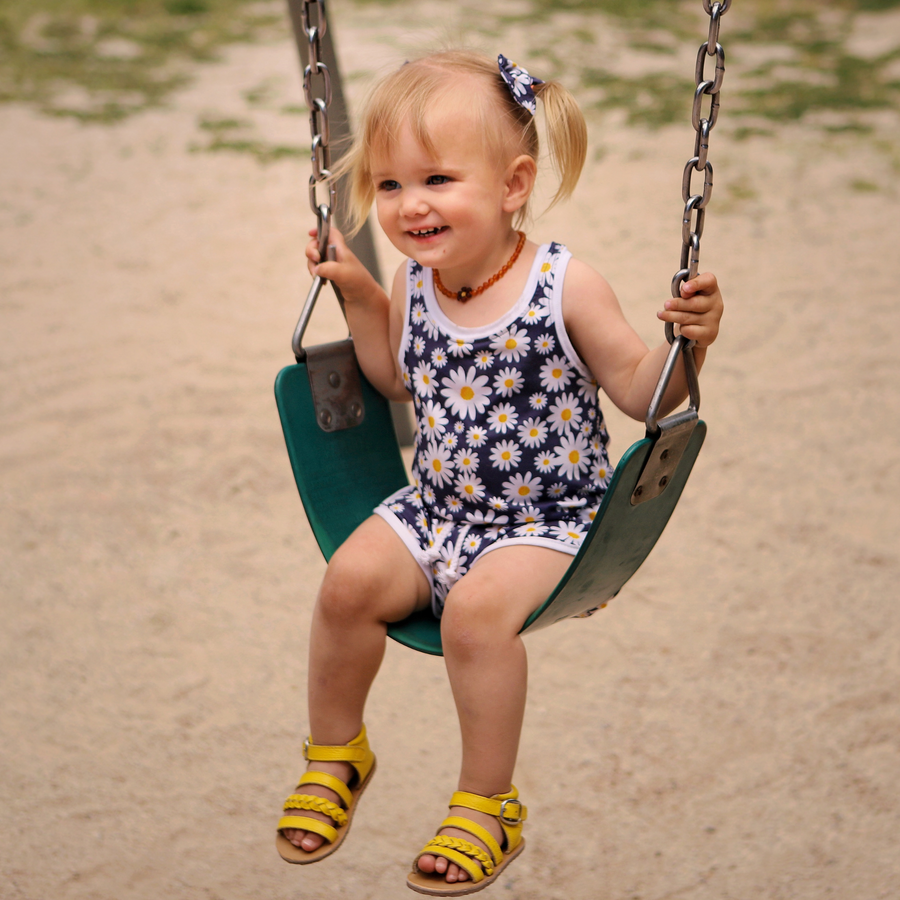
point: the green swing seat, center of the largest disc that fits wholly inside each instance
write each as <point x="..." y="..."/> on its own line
<point x="343" y="475"/>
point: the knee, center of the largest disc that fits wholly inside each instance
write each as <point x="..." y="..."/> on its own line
<point x="350" y="588"/>
<point x="473" y="623"/>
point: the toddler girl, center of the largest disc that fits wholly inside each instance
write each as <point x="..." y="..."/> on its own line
<point x="501" y="345"/>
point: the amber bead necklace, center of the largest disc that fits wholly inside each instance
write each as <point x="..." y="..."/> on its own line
<point x="467" y="293"/>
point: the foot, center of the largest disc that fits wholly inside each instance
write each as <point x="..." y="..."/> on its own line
<point x="453" y="873"/>
<point x="309" y="840"/>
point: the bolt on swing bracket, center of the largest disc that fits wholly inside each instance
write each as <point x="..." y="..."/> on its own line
<point x="671" y="434"/>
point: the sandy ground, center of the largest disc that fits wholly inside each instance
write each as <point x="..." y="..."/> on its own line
<point x="728" y="728"/>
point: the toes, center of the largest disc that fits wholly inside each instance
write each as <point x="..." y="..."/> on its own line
<point x="311" y="842"/>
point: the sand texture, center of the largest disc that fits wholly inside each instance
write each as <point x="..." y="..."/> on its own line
<point x="727" y="728"/>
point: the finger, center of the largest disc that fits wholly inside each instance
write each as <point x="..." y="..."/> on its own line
<point x="704" y="283"/>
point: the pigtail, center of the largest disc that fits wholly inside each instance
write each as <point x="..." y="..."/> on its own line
<point x="566" y="136"/>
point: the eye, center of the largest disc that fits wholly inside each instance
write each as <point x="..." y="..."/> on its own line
<point x="388" y="185"/>
<point x="438" y="179"/>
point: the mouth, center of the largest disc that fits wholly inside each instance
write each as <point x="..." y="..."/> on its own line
<point x="427" y="232"/>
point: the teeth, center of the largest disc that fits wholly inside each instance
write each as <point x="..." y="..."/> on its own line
<point x="426" y="231"/>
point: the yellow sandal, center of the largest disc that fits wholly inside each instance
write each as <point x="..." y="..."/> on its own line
<point x="482" y="868"/>
<point x="358" y="754"/>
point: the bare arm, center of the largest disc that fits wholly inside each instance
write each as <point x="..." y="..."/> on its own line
<point x="376" y="320"/>
<point x="626" y="369"/>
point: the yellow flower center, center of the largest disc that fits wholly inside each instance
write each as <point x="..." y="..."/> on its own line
<point x="508" y="383"/>
<point x="557" y="373"/>
<point x="469" y="489"/>
<point x="574" y="456"/>
<point x="506" y="455"/>
<point x="545" y="267"/>
<point x="533" y="432"/>
<point x="524" y="491"/>
<point x="436" y="464"/>
<point x="510" y="344"/>
<point x="502" y="417"/>
<point x="431" y="421"/>
<point x="467" y="393"/>
<point x="566" y="415"/>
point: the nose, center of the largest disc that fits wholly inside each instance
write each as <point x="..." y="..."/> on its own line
<point x="413" y="203"/>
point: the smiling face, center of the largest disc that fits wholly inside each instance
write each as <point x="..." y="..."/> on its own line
<point x="449" y="209"/>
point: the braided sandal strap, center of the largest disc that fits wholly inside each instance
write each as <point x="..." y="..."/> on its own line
<point x="464" y="853"/>
<point x="317" y="804"/>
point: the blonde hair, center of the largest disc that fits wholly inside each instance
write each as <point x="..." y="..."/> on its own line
<point x="405" y="96"/>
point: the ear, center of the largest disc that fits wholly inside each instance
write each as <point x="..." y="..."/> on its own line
<point x="519" y="183"/>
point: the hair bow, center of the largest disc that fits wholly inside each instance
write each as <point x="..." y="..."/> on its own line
<point x="519" y="82"/>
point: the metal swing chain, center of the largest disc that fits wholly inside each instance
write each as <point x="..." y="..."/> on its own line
<point x="673" y="433"/>
<point x="316" y="74"/>
<point x="695" y="204"/>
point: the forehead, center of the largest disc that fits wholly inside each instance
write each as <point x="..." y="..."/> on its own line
<point x="452" y="134"/>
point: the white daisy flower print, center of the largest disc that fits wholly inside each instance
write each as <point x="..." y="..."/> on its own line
<point x="556" y="373"/>
<point x="467" y="393"/>
<point x="505" y="455"/>
<point x="497" y="503"/>
<point x="471" y="543"/>
<point x="601" y="473"/>
<point x="587" y="387"/>
<point x="544" y="275"/>
<point x="454" y="505"/>
<point x="571" y="503"/>
<point x="416" y="499"/>
<point x="587" y="429"/>
<point x="431" y="328"/>
<point x="538" y="400"/>
<point x="418" y="314"/>
<point x="512" y="344"/>
<point x="433" y="419"/>
<point x="424" y="379"/>
<point x="503" y="418"/>
<point x="532" y="432"/>
<point x="557" y="490"/>
<point x="439" y="358"/>
<point x="486" y="518"/>
<point x="437" y="464"/>
<point x="529" y="514"/>
<point x="572" y="457"/>
<point x="470" y="487"/>
<point x="476" y="436"/>
<point x="407" y="381"/>
<point x="395" y="507"/>
<point x="459" y="347"/>
<point x="545" y="462"/>
<point x="523" y="488"/>
<point x="570" y="532"/>
<point x="418" y="345"/>
<point x="588" y="515"/>
<point x="484" y="360"/>
<point x="531" y="529"/>
<point x="428" y="496"/>
<point x="508" y="382"/>
<point x="458" y="427"/>
<point x="565" y="414"/>
<point x="450" y="441"/>
<point x="466" y="461"/>
<point x="545" y="344"/>
<point x="422" y="521"/>
<point x="534" y="314"/>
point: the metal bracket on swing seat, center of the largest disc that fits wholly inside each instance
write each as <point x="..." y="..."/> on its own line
<point x="332" y="369"/>
<point x="671" y="434"/>
<point x="335" y="385"/>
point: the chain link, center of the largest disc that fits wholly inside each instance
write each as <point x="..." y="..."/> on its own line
<point x="316" y="75"/>
<point x="695" y="203"/>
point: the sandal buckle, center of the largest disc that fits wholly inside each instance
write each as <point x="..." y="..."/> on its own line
<point x="306" y="749"/>
<point x="508" y="819"/>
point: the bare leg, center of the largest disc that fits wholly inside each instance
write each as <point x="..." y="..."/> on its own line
<point x="371" y="580"/>
<point x="488" y="671"/>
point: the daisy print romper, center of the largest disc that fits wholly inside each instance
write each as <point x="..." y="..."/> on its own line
<point x="510" y="443"/>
